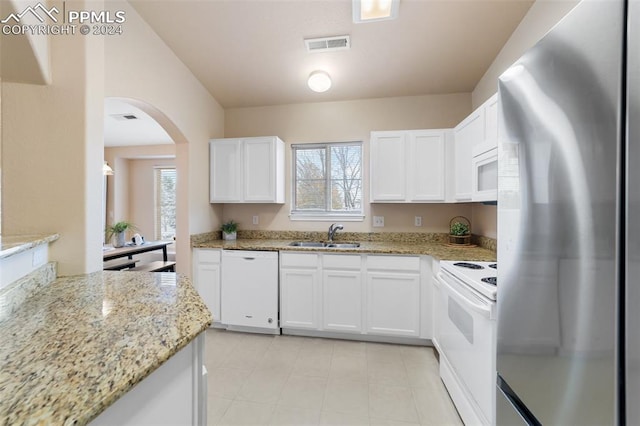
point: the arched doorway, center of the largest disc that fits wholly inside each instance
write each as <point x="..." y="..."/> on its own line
<point x="145" y="148"/>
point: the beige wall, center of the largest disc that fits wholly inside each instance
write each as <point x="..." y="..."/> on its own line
<point x="26" y="55"/>
<point x="52" y="152"/>
<point x="140" y="66"/>
<point x="348" y="121"/>
<point x="543" y="15"/>
<point x="130" y="195"/>
<point x="142" y="194"/>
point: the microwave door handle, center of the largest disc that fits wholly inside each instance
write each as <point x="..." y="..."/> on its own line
<point x="480" y="308"/>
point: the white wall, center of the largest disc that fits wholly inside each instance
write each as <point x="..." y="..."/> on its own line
<point x="348" y="121"/>
<point x="52" y="153"/>
<point x="140" y="66"/>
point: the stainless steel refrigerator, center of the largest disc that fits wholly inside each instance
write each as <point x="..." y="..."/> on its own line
<point x="568" y="224"/>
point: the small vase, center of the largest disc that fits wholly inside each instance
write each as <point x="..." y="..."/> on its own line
<point x="118" y="239"/>
<point x="229" y="236"/>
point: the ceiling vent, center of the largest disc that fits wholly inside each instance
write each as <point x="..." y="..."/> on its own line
<point x="327" y="44"/>
<point x="124" y="117"/>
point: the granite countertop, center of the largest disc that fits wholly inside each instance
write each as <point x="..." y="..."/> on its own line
<point x="80" y="343"/>
<point x="14" y="244"/>
<point x="439" y="250"/>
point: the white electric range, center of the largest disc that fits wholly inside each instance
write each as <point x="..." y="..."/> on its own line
<point x="465" y="336"/>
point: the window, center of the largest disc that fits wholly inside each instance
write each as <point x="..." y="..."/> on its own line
<point x="327" y="179"/>
<point x="165" y="183"/>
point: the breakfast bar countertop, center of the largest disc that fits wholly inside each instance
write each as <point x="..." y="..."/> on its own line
<point x="437" y="249"/>
<point x="14" y="244"/>
<point x="81" y="342"/>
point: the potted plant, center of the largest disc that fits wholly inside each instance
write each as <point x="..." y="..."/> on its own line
<point x="460" y="231"/>
<point x="118" y="230"/>
<point x="229" y="230"/>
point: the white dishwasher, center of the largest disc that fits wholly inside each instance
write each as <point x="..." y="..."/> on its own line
<point x="249" y="294"/>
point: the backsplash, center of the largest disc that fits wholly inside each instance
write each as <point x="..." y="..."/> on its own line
<point x="407" y="237"/>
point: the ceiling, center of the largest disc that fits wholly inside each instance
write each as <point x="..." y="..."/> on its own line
<point x="143" y="130"/>
<point x="252" y="52"/>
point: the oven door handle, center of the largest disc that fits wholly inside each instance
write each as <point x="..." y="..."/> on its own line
<point x="477" y="306"/>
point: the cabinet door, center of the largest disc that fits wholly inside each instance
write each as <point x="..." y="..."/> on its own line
<point x="467" y="134"/>
<point x="342" y="300"/>
<point x="299" y="298"/>
<point x="393" y="303"/>
<point x="208" y="286"/>
<point x="491" y="121"/>
<point x="426" y="166"/>
<point x="388" y="163"/>
<point x="225" y="170"/>
<point x="259" y="170"/>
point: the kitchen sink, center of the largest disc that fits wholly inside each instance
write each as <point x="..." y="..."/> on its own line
<point x="342" y="245"/>
<point x="324" y="245"/>
<point x="307" y="244"/>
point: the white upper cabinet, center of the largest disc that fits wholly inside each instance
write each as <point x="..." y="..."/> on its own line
<point x="466" y="134"/>
<point x="247" y="170"/>
<point x="388" y="161"/>
<point x="491" y="121"/>
<point x="474" y="133"/>
<point x="426" y="165"/>
<point x="408" y="166"/>
<point x="225" y="173"/>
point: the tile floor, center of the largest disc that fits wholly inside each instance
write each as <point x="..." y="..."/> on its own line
<point x="285" y="380"/>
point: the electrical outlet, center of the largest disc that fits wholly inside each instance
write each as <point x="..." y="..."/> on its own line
<point x="417" y="221"/>
<point x="378" y="221"/>
<point x="256" y="220"/>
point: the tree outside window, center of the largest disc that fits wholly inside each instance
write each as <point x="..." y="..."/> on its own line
<point x="327" y="178"/>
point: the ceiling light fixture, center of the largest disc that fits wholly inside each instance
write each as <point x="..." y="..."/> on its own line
<point x="107" y="170"/>
<point x="375" y="10"/>
<point x="319" y="81"/>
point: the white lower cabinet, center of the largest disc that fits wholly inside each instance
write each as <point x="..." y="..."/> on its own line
<point x="393" y="295"/>
<point x="382" y="295"/>
<point x="299" y="301"/>
<point x="342" y="300"/>
<point x="393" y="303"/>
<point x="206" y="278"/>
<point x="300" y="292"/>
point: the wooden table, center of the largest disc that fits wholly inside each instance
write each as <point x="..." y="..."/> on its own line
<point x="129" y="251"/>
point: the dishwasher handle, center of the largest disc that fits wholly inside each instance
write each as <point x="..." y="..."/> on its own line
<point x="249" y="254"/>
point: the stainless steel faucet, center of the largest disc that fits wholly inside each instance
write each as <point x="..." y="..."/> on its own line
<point x="333" y="229"/>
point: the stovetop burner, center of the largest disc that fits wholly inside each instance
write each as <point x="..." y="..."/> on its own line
<point x="490" y="280"/>
<point x="494" y="266"/>
<point x="468" y="265"/>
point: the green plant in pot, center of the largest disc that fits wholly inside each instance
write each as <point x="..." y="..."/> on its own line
<point x="460" y="231"/>
<point x="229" y="230"/>
<point x="118" y="231"/>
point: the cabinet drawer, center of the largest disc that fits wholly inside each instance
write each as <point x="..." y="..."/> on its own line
<point x="341" y="261"/>
<point x="299" y="260"/>
<point x="395" y="263"/>
<point x="209" y="256"/>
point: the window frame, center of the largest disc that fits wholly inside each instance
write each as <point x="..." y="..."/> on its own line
<point x="326" y="214"/>
<point x="157" y="214"/>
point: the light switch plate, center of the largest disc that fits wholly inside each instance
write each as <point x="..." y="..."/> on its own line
<point x="256" y="220"/>
<point x="378" y="221"/>
<point x="417" y="221"/>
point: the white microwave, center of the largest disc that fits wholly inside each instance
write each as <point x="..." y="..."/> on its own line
<point x="484" y="165"/>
